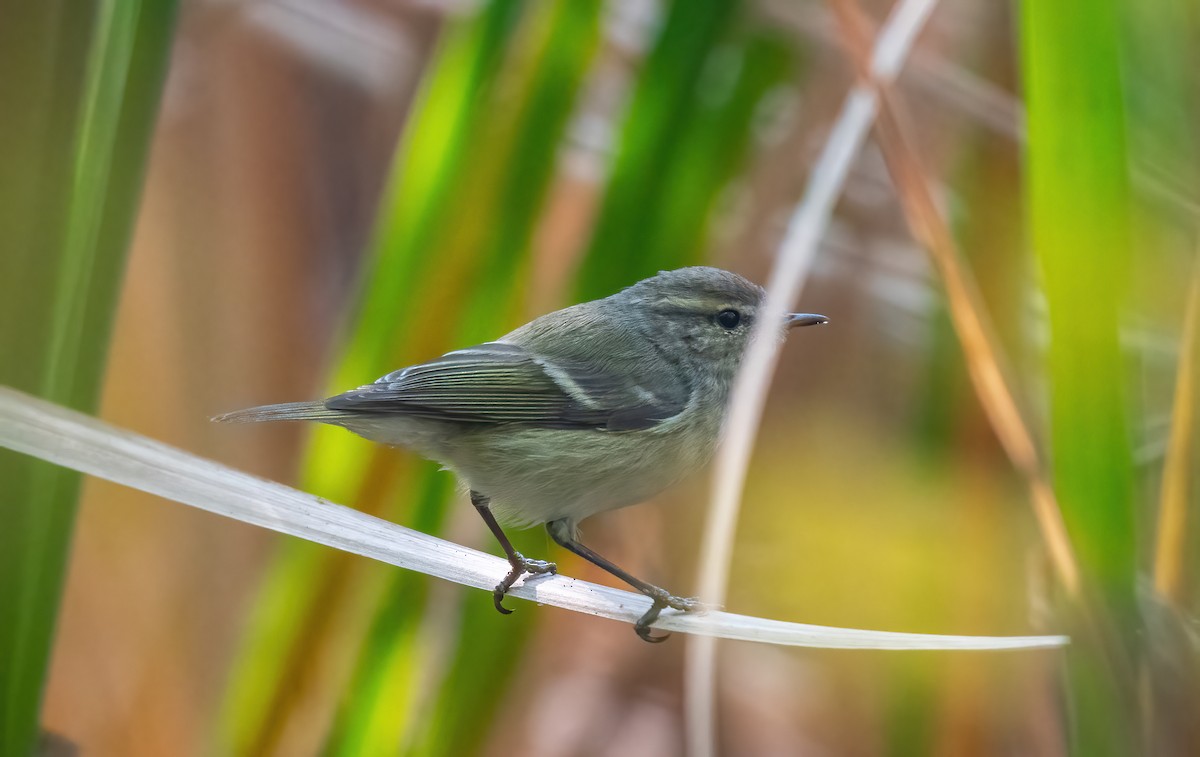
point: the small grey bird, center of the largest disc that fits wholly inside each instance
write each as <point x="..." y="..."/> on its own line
<point x="590" y="408"/>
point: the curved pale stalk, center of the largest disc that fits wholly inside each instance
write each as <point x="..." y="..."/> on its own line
<point x="80" y="442"/>
<point x="795" y="259"/>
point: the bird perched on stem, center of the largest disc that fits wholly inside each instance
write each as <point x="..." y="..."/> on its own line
<point x="590" y="408"/>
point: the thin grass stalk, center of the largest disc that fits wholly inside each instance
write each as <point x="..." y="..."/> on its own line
<point x="987" y="364"/>
<point x="1170" y="574"/>
<point x="799" y="248"/>
<point x="952" y="85"/>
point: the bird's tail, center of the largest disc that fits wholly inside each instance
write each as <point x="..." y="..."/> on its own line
<point x="288" y="411"/>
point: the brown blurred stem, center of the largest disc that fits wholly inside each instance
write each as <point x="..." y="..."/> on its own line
<point x="985" y="360"/>
<point x="1169" y="569"/>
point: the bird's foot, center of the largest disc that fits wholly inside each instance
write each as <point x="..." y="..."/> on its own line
<point x="663" y="599"/>
<point x="520" y="566"/>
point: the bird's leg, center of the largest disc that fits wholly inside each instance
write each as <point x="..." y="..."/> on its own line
<point x="519" y="562"/>
<point x="561" y="533"/>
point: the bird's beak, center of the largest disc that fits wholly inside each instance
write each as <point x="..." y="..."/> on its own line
<point x="805" y="319"/>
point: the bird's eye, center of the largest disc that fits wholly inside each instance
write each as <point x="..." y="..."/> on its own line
<point x="729" y="319"/>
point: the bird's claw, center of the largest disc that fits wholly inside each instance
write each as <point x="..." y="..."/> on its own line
<point x="520" y="566"/>
<point x="662" y="599"/>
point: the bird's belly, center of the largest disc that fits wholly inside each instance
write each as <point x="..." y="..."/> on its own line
<point x="537" y="476"/>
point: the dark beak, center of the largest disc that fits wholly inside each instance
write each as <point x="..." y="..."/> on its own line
<point x="805" y="319"/>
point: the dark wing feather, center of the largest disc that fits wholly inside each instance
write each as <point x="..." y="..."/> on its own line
<point x="499" y="382"/>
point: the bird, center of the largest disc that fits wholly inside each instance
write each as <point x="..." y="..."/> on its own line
<point x="591" y="408"/>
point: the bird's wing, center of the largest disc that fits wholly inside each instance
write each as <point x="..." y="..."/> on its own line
<point x="498" y="382"/>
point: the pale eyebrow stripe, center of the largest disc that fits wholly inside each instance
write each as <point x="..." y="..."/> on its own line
<point x="691" y="305"/>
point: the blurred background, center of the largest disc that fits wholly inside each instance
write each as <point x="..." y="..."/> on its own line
<point x="337" y="189"/>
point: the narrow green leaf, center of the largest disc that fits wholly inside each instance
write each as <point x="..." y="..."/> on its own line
<point x="79" y="89"/>
<point x="1079" y="210"/>
<point x="736" y="76"/>
<point x="1079" y="216"/>
<point x="665" y="101"/>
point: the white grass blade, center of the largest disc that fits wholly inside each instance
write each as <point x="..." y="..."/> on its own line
<point x="73" y="440"/>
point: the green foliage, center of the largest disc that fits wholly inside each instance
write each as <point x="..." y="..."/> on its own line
<point x="79" y="89"/>
<point x="690" y="119"/>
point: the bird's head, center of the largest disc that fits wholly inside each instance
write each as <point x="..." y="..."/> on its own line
<point x="704" y="313"/>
